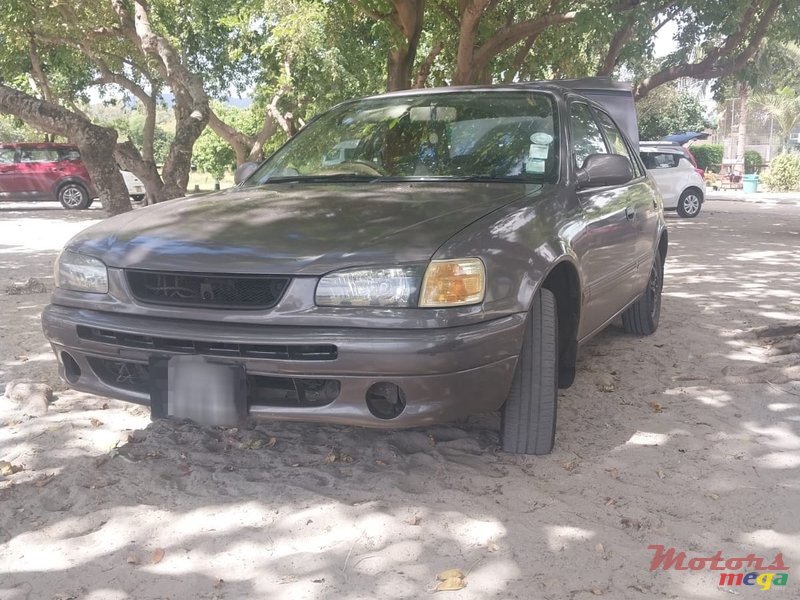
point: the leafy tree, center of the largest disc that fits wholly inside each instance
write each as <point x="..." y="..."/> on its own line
<point x="670" y="111"/>
<point x="784" y="107"/>
<point x="752" y="161"/>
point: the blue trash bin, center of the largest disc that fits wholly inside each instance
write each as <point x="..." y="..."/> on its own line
<point x="750" y="183"/>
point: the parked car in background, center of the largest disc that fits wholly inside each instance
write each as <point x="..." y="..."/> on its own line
<point x="449" y="262"/>
<point x="42" y="171"/>
<point x="682" y="188"/>
<point x="135" y="186"/>
<point x="675" y="145"/>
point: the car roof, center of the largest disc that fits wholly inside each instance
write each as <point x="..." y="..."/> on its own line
<point x="38" y="145"/>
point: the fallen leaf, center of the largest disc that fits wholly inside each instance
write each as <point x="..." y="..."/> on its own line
<point x="287" y="579"/>
<point x="218" y="584"/>
<point x="330" y="458"/>
<point x="272" y="441"/>
<point x="606" y="387"/>
<point x="43" y="480"/>
<point x="414" y="520"/>
<point x="492" y="546"/>
<point x="570" y="465"/>
<point x="633" y="523"/>
<point x="380" y="463"/>
<point x="320" y="580"/>
<point x="96" y="422"/>
<point x="132" y="559"/>
<point x="657" y="408"/>
<point x="610" y="501"/>
<point x="450" y="581"/>
<point x="599" y="549"/>
<point x="6" y="468"/>
<point x="711" y="495"/>
<point x="597" y="591"/>
<point x="105" y="406"/>
<point x="660" y="474"/>
<point x="614" y="472"/>
<point x="158" y="556"/>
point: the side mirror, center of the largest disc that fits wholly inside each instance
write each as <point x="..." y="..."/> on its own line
<point x="604" y="169"/>
<point x="243" y="171"/>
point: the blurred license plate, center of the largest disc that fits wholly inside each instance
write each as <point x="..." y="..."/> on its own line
<point x="191" y="387"/>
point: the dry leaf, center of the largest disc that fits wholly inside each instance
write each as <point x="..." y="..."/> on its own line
<point x="6" y="468"/>
<point x="450" y="581"/>
<point x="380" y="463"/>
<point x="272" y="441"/>
<point x="597" y="591"/>
<point x="287" y="579"/>
<point x="331" y="458"/>
<point x="414" y="520"/>
<point x="105" y="406"/>
<point x="218" y="584"/>
<point x="492" y="546"/>
<point x="610" y="501"/>
<point x="96" y="422"/>
<point x="570" y="465"/>
<point x="599" y="549"/>
<point x="614" y="472"/>
<point x="711" y="495"/>
<point x="660" y="474"/>
<point x="158" y="556"/>
<point x="132" y="559"/>
<point x="657" y="408"/>
<point x="43" y="480"/>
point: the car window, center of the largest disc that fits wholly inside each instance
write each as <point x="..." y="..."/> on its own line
<point x="7" y="155"/>
<point x="70" y="154"/>
<point x="659" y="160"/>
<point x="585" y="133"/>
<point x="36" y="155"/>
<point x="465" y="135"/>
<point x="617" y="141"/>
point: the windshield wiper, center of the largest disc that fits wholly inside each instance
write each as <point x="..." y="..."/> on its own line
<point x="345" y="177"/>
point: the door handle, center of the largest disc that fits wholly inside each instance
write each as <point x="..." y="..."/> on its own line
<point x="629" y="213"/>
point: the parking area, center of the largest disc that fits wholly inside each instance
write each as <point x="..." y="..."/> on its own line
<point x="689" y="439"/>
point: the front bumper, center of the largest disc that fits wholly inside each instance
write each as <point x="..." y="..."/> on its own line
<point x="444" y="373"/>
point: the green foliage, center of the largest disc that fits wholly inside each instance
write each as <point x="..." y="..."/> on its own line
<point x="14" y="130"/>
<point x="783" y="174"/>
<point x="669" y="111"/>
<point x="783" y="106"/>
<point x="215" y="156"/>
<point x="752" y="161"/>
<point x="708" y="156"/>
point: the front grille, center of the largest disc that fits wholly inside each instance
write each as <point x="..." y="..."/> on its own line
<point x="182" y="346"/>
<point x="262" y="390"/>
<point x="209" y="291"/>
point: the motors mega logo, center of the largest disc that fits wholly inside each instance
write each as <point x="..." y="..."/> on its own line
<point x="731" y="567"/>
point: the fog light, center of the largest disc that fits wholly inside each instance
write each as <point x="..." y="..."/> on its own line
<point x="385" y="400"/>
<point x="72" y="372"/>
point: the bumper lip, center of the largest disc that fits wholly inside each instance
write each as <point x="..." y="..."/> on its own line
<point x="446" y="373"/>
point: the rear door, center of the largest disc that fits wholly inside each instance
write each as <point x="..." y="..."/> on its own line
<point x="662" y="167"/>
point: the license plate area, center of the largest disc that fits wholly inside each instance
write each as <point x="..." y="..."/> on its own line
<point x="193" y="387"/>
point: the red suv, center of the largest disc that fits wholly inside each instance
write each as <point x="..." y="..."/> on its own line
<point x="40" y="171"/>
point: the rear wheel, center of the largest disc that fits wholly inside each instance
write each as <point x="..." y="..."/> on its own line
<point x="642" y="316"/>
<point x="689" y="204"/>
<point x="529" y="414"/>
<point x="73" y="196"/>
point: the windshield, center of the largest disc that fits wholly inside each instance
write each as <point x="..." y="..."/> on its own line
<point x="458" y="135"/>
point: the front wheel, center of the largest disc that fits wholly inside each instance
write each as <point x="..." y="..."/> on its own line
<point x="689" y="204"/>
<point x="73" y="197"/>
<point x="642" y="316"/>
<point x="529" y="414"/>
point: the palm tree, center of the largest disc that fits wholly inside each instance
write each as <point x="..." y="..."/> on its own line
<point x="783" y="106"/>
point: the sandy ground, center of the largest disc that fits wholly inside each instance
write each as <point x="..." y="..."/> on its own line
<point x="689" y="438"/>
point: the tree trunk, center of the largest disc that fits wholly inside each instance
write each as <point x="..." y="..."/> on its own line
<point x="190" y="121"/>
<point x="398" y="68"/>
<point x="741" y="138"/>
<point x="95" y="143"/>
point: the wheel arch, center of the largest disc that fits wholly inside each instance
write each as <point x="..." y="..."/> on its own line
<point x="564" y="281"/>
<point x="697" y="190"/>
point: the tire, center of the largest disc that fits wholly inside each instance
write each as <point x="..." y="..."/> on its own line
<point x="529" y="415"/>
<point x="73" y="196"/>
<point x="689" y="204"/>
<point x="642" y="316"/>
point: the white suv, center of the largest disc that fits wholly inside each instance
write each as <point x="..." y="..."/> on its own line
<point x="679" y="183"/>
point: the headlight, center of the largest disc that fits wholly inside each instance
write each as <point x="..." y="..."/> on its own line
<point x="453" y="283"/>
<point x="384" y="287"/>
<point x="81" y="273"/>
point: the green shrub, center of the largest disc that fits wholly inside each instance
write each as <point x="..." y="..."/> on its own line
<point x="708" y="156"/>
<point x="783" y="174"/>
<point x="752" y="161"/>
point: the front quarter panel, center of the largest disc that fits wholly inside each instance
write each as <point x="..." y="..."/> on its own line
<point x="518" y="245"/>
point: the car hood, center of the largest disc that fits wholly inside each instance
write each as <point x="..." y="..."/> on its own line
<point x="295" y="229"/>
